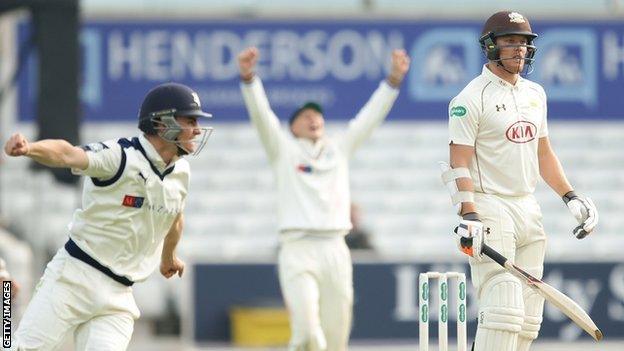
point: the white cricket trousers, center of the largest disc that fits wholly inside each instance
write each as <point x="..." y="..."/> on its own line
<point x="316" y="278"/>
<point x="510" y="313"/>
<point x="73" y="297"/>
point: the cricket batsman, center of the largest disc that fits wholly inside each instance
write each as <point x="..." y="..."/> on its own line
<point x="499" y="148"/>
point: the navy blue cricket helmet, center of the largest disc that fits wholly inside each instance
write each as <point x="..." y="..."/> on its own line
<point x="168" y="99"/>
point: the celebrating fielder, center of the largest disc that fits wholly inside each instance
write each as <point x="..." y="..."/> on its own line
<point x="131" y="213"/>
<point x="312" y="173"/>
<point x="499" y="147"/>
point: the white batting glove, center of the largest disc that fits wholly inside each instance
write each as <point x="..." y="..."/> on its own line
<point x="470" y="235"/>
<point x="585" y="212"/>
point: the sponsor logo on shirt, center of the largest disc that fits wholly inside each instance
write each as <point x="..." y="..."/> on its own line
<point x="304" y="168"/>
<point x="132" y="201"/>
<point x="458" y="111"/>
<point x="163" y="210"/>
<point x="521" y="132"/>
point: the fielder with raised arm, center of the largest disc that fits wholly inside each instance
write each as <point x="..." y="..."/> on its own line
<point x="312" y="173"/>
<point x="131" y="216"/>
<point x="499" y="147"/>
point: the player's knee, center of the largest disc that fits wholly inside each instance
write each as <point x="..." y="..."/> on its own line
<point x="534" y="307"/>
<point x="502" y="307"/>
<point x="531" y="327"/>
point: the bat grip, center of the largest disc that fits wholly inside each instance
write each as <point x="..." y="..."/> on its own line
<point x="493" y="254"/>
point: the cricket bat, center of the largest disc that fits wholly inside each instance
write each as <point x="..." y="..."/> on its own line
<point x="550" y="294"/>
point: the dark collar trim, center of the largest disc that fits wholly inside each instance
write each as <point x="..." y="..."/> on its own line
<point x="135" y="143"/>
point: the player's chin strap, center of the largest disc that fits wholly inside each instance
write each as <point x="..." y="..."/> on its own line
<point x="528" y="66"/>
<point x="529" y="59"/>
<point x="449" y="177"/>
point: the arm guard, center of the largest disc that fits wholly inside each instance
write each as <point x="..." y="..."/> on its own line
<point x="449" y="175"/>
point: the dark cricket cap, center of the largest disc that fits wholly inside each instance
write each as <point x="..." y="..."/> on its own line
<point x="308" y="105"/>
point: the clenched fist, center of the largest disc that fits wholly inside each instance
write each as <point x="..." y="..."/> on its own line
<point x="171" y="266"/>
<point x="17" y="145"/>
<point x="399" y="68"/>
<point x="247" y="60"/>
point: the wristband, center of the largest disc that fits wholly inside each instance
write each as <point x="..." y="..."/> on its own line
<point x="471" y="216"/>
<point x="569" y="196"/>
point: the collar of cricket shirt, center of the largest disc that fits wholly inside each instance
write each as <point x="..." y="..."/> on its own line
<point x="153" y="157"/>
<point x="313" y="149"/>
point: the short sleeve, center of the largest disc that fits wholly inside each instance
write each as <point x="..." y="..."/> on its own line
<point x="463" y="121"/>
<point x="104" y="160"/>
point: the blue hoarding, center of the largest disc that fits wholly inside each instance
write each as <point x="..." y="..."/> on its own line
<point x="386" y="298"/>
<point x="338" y="64"/>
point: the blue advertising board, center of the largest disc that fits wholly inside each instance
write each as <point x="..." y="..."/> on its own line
<point x="338" y="64"/>
<point x="386" y="298"/>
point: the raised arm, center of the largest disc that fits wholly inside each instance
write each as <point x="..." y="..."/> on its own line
<point x="379" y="104"/>
<point x="50" y="152"/>
<point x="260" y="113"/>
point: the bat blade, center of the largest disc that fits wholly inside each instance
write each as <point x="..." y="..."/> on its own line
<point x="550" y="294"/>
<point x="560" y="300"/>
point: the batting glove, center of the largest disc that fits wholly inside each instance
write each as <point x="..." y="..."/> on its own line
<point x="470" y="235"/>
<point x="585" y="212"/>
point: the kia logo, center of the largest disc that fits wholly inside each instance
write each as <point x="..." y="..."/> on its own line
<point x="521" y="132"/>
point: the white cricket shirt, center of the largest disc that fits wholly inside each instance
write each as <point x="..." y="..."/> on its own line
<point x="313" y="178"/>
<point x="128" y="205"/>
<point x="504" y="123"/>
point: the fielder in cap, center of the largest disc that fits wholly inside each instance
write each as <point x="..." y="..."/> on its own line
<point x="313" y="196"/>
<point x="131" y="218"/>
<point x="499" y="148"/>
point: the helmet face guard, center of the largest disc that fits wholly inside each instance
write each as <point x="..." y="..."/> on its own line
<point x="492" y="50"/>
<point x="160" y="108"/>
<point x="167" y="127"/>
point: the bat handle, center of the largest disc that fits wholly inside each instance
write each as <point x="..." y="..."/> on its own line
<point x="493" y="254"/>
